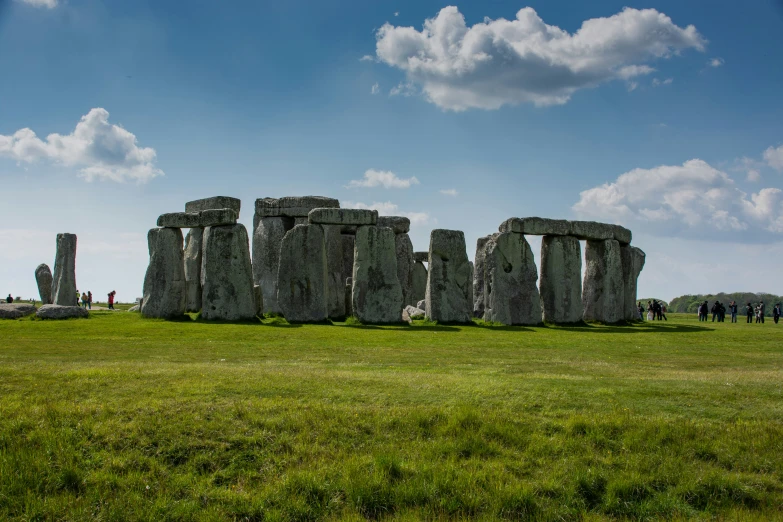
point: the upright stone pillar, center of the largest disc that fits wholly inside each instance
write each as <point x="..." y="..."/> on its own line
<point x="348" y="246"/>
<point x="43" y="278"/>
<point x="404" y="252"/>
<point x="64" y="280"/>
<point x="334" y="271"/>
<point x="602" y="290"/>
<point x="165" y="293"/>
<point x="227" y="274"/>
<point x="376" y="295"/>
<point x="448" y="278"/>
<point x="267" y="238"/>
<point x="193" y="249"/>
<point x="561" y="279"/>
<point x="511" y="293"/>
<point x="302" y="280"/>
<point x="633" y="263"/>
<point x="418" y="282"/>
<point x="479" y="275"/>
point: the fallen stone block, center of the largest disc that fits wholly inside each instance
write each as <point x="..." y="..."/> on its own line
<point x="53" y="311"/>
<point x="16" y="310"/>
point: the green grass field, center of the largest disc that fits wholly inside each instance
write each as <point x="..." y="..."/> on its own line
<point x="121" y="418"/>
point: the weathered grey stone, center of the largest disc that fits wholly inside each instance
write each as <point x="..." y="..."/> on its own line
<point x="64" y="280"/>
<point x="53" y="311"/>
<point x="448" y="278"/>
<point x="342" y="216"/>
<point x="415" y="312"/>
<point x="585" y="230"/>
<point x="561" y="279"/>
<point x="179" y="220"/>
<point x="479" y="275"/>
<point x="348" y="244"/>
<point x="633" y="263"/>
<point x="602" y="290"/>
<point x="404" y="252"/>
<point x="302" y="282"/>
<point x="15" y="310"/>
<point x="349" y="229"/>
<point x="134" y="308"/>
<point x="43" y="278"/>
<point x="217" y="217"/>
<point x="377" y="295"/>
<point x="293" y="206"/>
<point x="510" y="293"/>
<point x="259" y="298"/>
<point x="472" y="272"/>
<point x="193" y="247"/>
<point x="421" y="304"/>
<point x="334" y="268"/>
<point x="418" y="283"/>
<point x="348" y="293"/>
<point x="301" y="221"/>
<point x="267" y="238"/>
<point x="227" y="274"/>
<point x="212" y="203"/>
<point x="165" y="291"/>
<point x="421" y="257"/>
<point x="400" y="224"/>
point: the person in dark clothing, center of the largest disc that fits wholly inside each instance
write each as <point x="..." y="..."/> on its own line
<point x="776" y="313"/>
<point x="9" y="299"/>
<point x="733" y="310"/>
<point x="762" y="310"/>
<point x="749" y="311"/>
<point x="722" y="312"/>
<point x="714" y="311"/>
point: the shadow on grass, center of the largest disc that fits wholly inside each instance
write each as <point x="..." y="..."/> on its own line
<point x="636" y="328"/>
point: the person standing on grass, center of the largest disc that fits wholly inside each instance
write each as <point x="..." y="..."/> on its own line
<point x="733" y="310"/>
<point x="762" y="310"/>
<point x="89" y="299"/>
<point x="749" y="312"/>
<point x="714" y="310"/>
<point x="776" y="313"/>
<point x="84" y="300"/>
<point x="663" y="312"/>
<point x="640" y="311"/>
<point x="9" y="299"/>
<point x="111" y="299"/>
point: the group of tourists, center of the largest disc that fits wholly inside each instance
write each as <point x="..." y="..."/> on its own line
<point x="86" y="299"/>
<point x="655" y="310"/>
<point x="718" y="311"/>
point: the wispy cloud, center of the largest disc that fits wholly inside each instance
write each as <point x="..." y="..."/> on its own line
<point x="49" y="4"/>
<point x="375" y="88"/>
<point x="388" y="208"/>
<point x="656" y="82"/>
<point x="449" y="192"/>
<point x="382" y="178"/>
<point x="716" y="62"/>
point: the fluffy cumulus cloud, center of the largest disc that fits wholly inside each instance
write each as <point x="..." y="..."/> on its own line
<point x="774" y="157"/>
<point x="99" y="149"/>
<point x="524" y="60"/>
<point x="50" y="4"/>
<point x="693" y="200"/>
<point x="382" y="178"/>
<point x="388" y="208"/>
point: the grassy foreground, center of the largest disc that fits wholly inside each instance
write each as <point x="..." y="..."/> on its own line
<point x="121" y="418"/>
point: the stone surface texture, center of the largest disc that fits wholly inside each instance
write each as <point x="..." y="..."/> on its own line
<point x="415" y="312"/>
<point x="227" y="275"/>
<point x="511" y="294"/>
<point x="258" y="295"/>
<point x="212" y="203"/>
<point x="478" y="276"/>
<point x="633" y="263"/>
<point x="377" y="294"/>
<point x="16" y="310"/>
<point x="64" y="279"/>
<point x="193" y="247"/>
<point x="333" y="240"/>
<point x="585" y="230"/>
<point x="418" y="282"/>
<point x="293" y="206"/>
<point x="267" y="239"/>
<point x="43" y="278"/>
<point x="400" y="224"/>
<point x="602" y="289"/>
<point x="302" y="282"/>
<point x="404" y="251"/>
<point x="348" y="244"/>
<point x="53" y="311"/>
<point x="448" y="280"/>
<point x="217" y="217"/>
<point x="165" y="292"/>
<point x="179" y="220"/>
<point x="561" y="279"/>
<point x="342" y="216"/>
<point x="421" y="257"/>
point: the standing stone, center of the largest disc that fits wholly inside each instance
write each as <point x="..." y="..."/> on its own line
<point x="561" y="279"/>
<point x="165" y="292"/>
<point x="193" y="248"/>
<point x="348" y="292"/>
<point x="602" y="290"/>
<point x="334" y="269"/>
<point x="377" y="294"/>
<point x="64" y="280"/>
<point x="43" y="278"/>
<point x="472" y="273"/>
<point x="404" y="252"/>
<point x="348" y="244"/>
<point x="418" y="282"/>
<point x="267" y="238"/>
<point x="302" y="281"/>
<point x="633" y="262"/>
<point x="259" y="298"/>
<point x="227" y="274"/>
<point x="478" y="276"/>
<point x="511" y="293"/>
<point x="447" y="297"/>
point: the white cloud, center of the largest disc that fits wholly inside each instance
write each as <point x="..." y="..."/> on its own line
<point x="716" y="62"/>
<point x="385" y="178"/>
<point x="632" y="86"/>
<point x="449" y="192"/>
<point x="396" y="13"/>
<point x="367" y="58"/>
<point x="375" y="88"/>
<point x="774" y="157"/>
<point x="404" y="89"/>
<point x="656" y="82"/>
<point x="98" y="148"/>
<point x="390" y="209"/>
<point x="50" y="4"/>
<point x="693" y="199"/>
<point x="500" y="62"/>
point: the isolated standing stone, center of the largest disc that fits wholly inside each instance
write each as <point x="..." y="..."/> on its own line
<point x="227" y="274"/>
<point x="43" y="278"/>
<point x="561" y="279"/>
<point x="602" y="290"/>
<point x="478" y="276"/>
<point x="165" y="292"/>
<point x="633" y="262"/>
<point x="448" y="280"/>
<point x="511" y="293"/>
<point x="193" y="247"/>
<point x="418" y="282"/>
<point x="267" y="238"/>
<point x="348" y="244"/>
<point x="302" y="282"/>
<point x="64" y="280"/>
<point x="404" y="252"/>
<point x="334" y="267"/>
<point x="377" y="294"/>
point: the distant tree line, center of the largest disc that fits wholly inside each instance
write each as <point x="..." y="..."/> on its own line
<point x="690" y="303"/>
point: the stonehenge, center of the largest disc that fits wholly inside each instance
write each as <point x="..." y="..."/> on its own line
<point x="302" y="277"/>
<point x="403" y="248"/>
<point x="43" y="278"/>
<point x="164" y="283"/>
<point x="510" y="275"/>
<point x="447" y="298"/>
<point x="602" y="289"/>
<point x="561" y="274"/>
<point x="193" y="248"/>
<point x="227" y="276"/>
<point x="64" y="279"/>
<point x="53" y="311"/>
<point x="376" y="296"/>
<point x="418" y="277"/>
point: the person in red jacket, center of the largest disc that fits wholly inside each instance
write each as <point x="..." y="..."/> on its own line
<point x="111" y="299"/>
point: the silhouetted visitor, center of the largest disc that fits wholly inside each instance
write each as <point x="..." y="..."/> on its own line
<point x="733" y="310"/>
<point x="111" y="299"/>
<point x="749" y="310"/>
<point x="89" y="299"/>
<point x="662" y="312"/>
<point x="9" y="299"/>
<point x="762" y="310"/>
<point x="776" y="313"/>
<point x="714" y="310"/>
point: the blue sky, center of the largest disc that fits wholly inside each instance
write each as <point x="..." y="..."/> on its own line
<point x="667" y="121"/>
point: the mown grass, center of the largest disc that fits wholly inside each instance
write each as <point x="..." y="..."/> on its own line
<point x="121" y="418"/>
